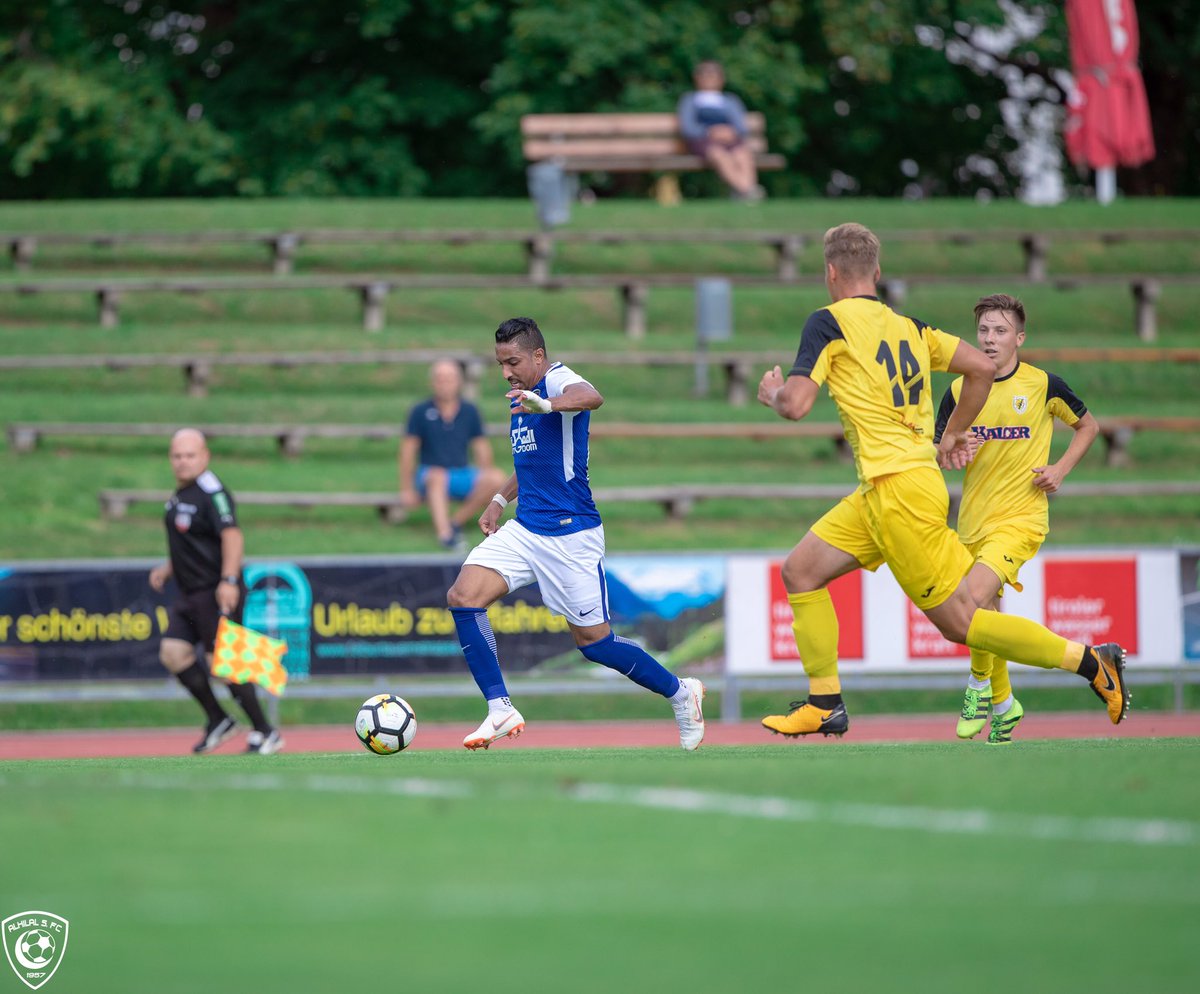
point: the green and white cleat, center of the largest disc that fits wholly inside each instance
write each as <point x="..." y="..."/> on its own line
<point x="977" y="706"/>
<point x="1003" y="724"/>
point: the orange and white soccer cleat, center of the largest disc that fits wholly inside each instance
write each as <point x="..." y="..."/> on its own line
<point x="506" y="725"/>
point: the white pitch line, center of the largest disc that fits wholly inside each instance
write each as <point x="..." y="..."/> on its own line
<point x="889" y="817"/>
<point x="317" y="783"/>
<point x="1135" y="831"/>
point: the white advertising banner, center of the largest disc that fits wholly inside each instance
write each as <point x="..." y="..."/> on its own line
<point x="1130" y="596"/>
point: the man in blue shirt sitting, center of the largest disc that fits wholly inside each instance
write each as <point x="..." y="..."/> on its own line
<point x="713" y="124"/>
<point x="443" y="433"/>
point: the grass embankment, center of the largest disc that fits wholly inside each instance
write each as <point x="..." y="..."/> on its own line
<point x="49" y="496"/>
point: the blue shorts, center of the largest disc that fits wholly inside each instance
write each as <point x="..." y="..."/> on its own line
<point x="462" y="480"/>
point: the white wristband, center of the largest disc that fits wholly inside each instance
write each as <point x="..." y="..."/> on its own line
<point x="499" y="499"/>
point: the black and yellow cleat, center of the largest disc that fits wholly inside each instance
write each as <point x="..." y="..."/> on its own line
<point x="1109" y="682"/>
<point x="806" y="719"/>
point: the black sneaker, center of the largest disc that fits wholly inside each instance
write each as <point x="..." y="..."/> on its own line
<point x="457" y="542"/>
<point x="214" y="735"/>
<point x="264" y="743"/>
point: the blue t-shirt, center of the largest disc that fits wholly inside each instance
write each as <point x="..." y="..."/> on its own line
<point x="550" y="458"/>
<point x="444" y="443"/>
<point x="701" y="109"/>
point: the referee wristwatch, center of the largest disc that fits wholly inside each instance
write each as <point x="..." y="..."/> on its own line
<point x="232" y="578"/>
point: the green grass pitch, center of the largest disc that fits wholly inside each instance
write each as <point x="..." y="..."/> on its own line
<point x="1048" y="866"/>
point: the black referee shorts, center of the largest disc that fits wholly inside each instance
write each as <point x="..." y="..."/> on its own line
<point x="194" y="617"/>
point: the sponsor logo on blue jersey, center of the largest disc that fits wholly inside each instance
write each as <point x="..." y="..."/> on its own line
<point x="523" y="439"/>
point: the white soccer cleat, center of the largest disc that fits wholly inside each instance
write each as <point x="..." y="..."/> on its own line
<point x="689" y="714"/>
<point x="505" y="726"/>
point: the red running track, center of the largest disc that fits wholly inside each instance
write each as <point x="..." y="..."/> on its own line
<point x="590" y="735"/>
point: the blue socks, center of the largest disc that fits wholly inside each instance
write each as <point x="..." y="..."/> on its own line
<point x="630" y="659"/>
<point x="479" y="646"/>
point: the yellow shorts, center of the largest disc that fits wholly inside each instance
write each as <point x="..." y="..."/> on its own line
<point x="1005" y="549"/>
<point x="901" y="520"/>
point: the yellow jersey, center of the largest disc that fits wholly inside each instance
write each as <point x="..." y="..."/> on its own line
<point x="877" y="365"/>
<point x="1016" y="424"/>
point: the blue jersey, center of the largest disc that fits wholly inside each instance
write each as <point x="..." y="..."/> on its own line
<point x="550" y="458"/>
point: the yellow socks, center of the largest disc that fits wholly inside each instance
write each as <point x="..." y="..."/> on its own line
<point x="987" y="666"/>
<point x="981" y="665"/>
<point x="1020" y="640"/>
<point x="816" y="630"/>
<point x="1001" y="684"/>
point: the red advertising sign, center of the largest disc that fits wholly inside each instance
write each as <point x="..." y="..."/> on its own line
<point x="925" y="641"/>
<point x="1093" y="600"/>
<point x="847" y="594"/>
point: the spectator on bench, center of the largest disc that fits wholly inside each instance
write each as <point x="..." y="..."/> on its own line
<point x="713" y="124"/>
<point x="435" y="465"/>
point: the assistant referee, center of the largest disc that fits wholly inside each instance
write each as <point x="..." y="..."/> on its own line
<point x="205" y="547"/>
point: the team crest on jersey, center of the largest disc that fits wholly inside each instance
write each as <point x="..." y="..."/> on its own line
<point x="1020" y="403"/>
<point x="183" y="515"/>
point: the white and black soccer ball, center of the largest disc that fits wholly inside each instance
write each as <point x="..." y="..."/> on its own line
<point x="386" y="724"/>
<point x="37" y="946"/>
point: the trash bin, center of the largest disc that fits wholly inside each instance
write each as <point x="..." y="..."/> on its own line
<point x="552" y="190"/>
<point x="714" y="322"/>
<point x="714" y="310"/>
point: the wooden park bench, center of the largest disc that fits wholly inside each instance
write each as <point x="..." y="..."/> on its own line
<point x="788" y="245"/>
<point x="741" y="369"/>
<point x="198" y="367"/>
<point x="540" y="245"/>
<point x="23" y="436"/>
<point x="677" y="499"/>
<point x="115" y="503"/>
<point x="1118" y="431"/>
<point x="1146" y="289"/>
<point x="283" y="245"/>
<point x="1035" y="245"/>
<point x="633" y="289"/>
<point x="626" y="143"/>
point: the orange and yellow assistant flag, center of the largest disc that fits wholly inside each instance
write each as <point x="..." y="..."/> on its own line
<point x="243" y="656"/>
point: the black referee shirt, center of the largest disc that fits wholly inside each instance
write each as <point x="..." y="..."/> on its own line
<point x="195" y="517"/>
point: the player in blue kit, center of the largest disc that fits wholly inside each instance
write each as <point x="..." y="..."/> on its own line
<point x="556" y="540"/>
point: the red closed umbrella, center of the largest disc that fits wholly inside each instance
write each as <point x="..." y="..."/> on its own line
<point x="1108" y="119"/>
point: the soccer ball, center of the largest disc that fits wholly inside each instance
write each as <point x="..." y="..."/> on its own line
<point x="38" y="947"/>
<point x="385" y="724"/>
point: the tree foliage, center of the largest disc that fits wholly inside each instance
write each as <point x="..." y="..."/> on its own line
<point x="84" y="113"/>
<point x="408" y="97"/>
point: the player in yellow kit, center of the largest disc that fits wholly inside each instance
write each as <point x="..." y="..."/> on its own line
<point x="1004" y="515"/>
<point x="877" y="364"/>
